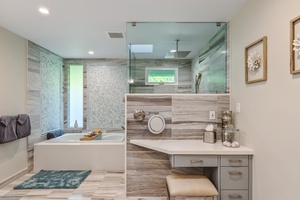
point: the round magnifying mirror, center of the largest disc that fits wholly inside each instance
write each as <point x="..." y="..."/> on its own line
<point x="156" y="124"/>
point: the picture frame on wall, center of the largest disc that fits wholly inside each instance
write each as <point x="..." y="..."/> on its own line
<point x="256" y="61"/>
<point x="295" y="45"/>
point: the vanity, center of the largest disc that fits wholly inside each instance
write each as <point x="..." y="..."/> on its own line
<point x="230" y="169"/>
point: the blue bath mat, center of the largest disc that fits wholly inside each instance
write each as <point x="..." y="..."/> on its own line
<point x="48" y="179"/>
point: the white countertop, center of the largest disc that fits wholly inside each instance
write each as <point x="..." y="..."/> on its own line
<point x="190" y="147"/>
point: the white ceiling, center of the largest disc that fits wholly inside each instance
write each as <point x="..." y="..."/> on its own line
<point x="74" y="27"/>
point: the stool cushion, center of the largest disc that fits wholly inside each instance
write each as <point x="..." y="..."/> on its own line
<point x="190" y="185"/>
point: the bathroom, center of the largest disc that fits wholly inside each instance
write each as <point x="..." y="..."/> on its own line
<point x="269" y="109"/>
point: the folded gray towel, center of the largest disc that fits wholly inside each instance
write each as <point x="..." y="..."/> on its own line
<point x="23" y="126"/>
<point x="8" y="129"/>
<point x="6" y="119"/>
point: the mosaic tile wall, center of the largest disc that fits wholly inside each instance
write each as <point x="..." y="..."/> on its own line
<point x="106" y="92"/>
<point x="44" y="92"/>
<point x="186" y="117"/>
<point x="112" y="92"/>
<point x="212" y="64"/>
<point x="51" y="92"/>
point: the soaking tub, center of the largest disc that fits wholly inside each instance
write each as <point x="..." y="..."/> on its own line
<point x="67" y="152"/>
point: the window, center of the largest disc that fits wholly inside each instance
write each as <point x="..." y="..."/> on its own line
<point x="166" y="76"/>
<point x="75" y="95"/>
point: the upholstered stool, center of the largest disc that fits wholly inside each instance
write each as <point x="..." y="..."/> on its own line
<point x="191" y="187"/>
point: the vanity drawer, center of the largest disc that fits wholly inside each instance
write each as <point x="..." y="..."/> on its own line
<point x="234" y="195"/>
<point x="234" y="161"/>
<point x="195" y="161"/>
<point x="234" y="178"/>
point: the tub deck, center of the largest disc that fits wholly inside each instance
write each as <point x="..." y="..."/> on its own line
<point x="69" y="153"/>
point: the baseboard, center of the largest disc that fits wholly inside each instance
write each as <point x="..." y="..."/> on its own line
<point x="13" y="177"/>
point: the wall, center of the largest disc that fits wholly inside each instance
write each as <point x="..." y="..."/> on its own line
<point x="211" y="63"/>
<point x="270" y="110"/>
<point x="45" y="93"/>
<point x="105" y="85"/>
<point x="13" y="66"/>
<point x="186" y="117"/>
<point x="138" y="75"/>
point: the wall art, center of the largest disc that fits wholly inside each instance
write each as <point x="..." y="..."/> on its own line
<point x="256" y="61"/>
<point x="295" y="45"/>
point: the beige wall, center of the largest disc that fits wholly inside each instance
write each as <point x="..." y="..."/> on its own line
<point x="13" y="65"/>
<point x="270" y="111"/>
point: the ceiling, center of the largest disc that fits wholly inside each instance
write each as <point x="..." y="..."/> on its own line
<point x="75" y="27"/>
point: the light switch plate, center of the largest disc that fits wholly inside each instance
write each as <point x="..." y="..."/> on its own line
<point x="238" y="107"/>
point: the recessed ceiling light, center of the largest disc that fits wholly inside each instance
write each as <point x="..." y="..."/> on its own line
<point x="44" y="11"/>
<point x="91" y="52"/>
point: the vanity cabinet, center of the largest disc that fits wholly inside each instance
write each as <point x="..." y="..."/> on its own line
<point x="234" y="172"/>
<point x="229" y="169"/>
<point x="195" y="161"/>
<point x="235" y="177"/>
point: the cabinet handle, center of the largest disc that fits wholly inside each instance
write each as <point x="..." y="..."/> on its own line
<point x="232" y="173"/>
<point x="196" y="161"/>
<point x="235" y="161"/>
<point x="235" y="196"/>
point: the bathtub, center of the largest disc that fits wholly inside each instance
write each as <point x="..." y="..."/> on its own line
<point x="67" y="152"/>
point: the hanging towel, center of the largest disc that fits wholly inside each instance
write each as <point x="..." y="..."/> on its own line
<point x="8" y="129"/>
<point x="23" y="126"/>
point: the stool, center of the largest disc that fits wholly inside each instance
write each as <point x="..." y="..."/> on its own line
<point x="191" y="187"/>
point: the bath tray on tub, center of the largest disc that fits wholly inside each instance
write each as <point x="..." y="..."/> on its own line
<point x="95" y="135"/>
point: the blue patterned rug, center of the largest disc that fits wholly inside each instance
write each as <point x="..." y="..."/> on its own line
<point x="47" y="179"/>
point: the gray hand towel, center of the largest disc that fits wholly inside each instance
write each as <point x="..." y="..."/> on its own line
<point x="23" y="125"/>
<point x="8" y="129"/>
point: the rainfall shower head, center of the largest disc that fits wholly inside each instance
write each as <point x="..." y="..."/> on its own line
<point x="177" y="53"/>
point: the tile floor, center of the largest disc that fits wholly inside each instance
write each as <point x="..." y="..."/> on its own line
<point x="98" y="185"/>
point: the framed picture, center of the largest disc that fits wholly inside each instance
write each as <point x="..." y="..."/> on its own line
<point x="256" y="61"/>
<point x="295" y="45"/>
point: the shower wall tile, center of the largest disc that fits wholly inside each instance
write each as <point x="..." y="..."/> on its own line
<point x="186" y="117"/>
<point x="138" y="74"/>
<point x="212" y="63"/>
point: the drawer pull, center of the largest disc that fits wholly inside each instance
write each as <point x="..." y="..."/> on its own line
<point x="235" y="196"/>
<point x="235" y="161"/>
<point x="196" y="161"/>
<point x="235" y="173"/>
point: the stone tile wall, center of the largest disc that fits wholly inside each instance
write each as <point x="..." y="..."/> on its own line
<point x="186" y="117"/>
<point x="138" y="75"/>
<point x="44" y="92"/>
<point x="212" y="64"/>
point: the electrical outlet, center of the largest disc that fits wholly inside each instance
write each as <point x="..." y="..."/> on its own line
<point x="212" y="114"/>
<point x="238" y="107"/>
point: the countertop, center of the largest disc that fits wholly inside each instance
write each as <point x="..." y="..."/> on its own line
<point x="190" y="147"/>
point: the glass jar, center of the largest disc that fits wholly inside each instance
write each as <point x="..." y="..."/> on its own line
<point x="231" y="137"/>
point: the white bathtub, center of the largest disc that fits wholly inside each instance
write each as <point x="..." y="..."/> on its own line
<point x="67" y="152"/>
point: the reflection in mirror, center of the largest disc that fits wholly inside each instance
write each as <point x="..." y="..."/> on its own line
<point x="197" y="52"/>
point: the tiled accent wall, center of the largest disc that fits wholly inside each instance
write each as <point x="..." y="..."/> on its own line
<point x="103" y="104"/>
<point x="212" y="64"/>
<point x="186" y="117"/>
<point x="44" y="92"/>
<point x="138" y="74"/>
<point x="107" y="87"/>
<point x="51" y="93"/>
